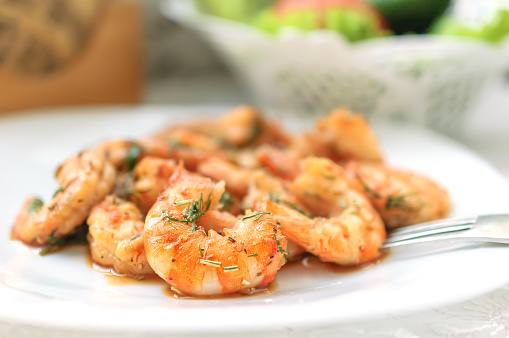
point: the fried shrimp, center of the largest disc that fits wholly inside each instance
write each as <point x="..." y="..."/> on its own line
<point x="116" y="237"/>
<point x="195" y="262"/>
<point x="347" y="231"/>
<point x="401" y="198"/>
<point x="84" y="179"/>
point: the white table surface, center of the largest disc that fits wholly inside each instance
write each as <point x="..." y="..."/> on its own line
<point x="486" y="131"/>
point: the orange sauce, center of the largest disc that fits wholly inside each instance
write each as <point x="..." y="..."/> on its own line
<point x="116" y="279"/>
<point x="307" y="260"/>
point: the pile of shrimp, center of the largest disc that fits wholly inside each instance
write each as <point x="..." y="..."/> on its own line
<point x="219" y="207"/>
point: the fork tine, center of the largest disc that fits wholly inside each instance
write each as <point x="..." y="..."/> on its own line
<point x="439" y="224"/>
<point x="424" y="233"/>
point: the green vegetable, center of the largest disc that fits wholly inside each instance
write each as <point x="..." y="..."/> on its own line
<point x="237" y="10"/>
<point x="494" y="31"/>
<point x="352" y="18"/>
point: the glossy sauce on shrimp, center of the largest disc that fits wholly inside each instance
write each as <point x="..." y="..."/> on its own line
<point x="201" y="263"/>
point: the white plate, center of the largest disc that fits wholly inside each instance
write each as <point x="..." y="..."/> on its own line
<point x="61" y="292"/>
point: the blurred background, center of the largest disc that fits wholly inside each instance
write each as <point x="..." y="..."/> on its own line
<point x="432" y="62"/>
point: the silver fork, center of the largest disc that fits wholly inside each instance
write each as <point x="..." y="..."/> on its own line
<point x="485" y="228"/>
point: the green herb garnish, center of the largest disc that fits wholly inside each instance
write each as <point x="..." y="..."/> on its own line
<point x="35" y="206"/>
<point x="193" y="212"/>
<point x="280" y="248"/>
<point x="77" y="236"/>
<point x="226" y="200"/>
<point x="367" y="188"/>
<point x="296" y="208"/>
<point x="132" y="156"/>
<point x="230" y="268"/>
<point x="252" y="255"/>
<point x="201" y="251"/>
<point x="256" y="216"/>
<point x="59" y="190"/>
<point x="211" y="263"/>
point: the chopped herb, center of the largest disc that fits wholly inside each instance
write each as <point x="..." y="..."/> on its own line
<point x="280" y="248"/>
<point x="230" y="268"/>
<point x="367" y="188"/>
<point x="396" y="202"/>
<point x="169" y="219"/>
<point x="226" y="200"/>
<point x="69" y="198"/>
<point x="59" y="190"/>
<point x="192" y="213"/>
<point x="252" y="255"/>
<point x="256" y="131"/>
<point x="174" y="289"/>
<point x="183" y="202"/>
<point x="211" y="263"/>
<point x="173" y="143"/>
<point x="35" y="206"/>
<point x="77" y="236"/>
<point x="201" y="251"/>
<point x="132" y="156"/>
<point x="245" y="282"/>
<point x="256" y="216"/>
<point x="273" y="197"/>
<point x="296" y="208"/>
<point x="136" y="237"/>
<point x="231" y="239"/>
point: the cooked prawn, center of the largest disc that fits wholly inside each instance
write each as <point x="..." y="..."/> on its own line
<point x="198" y="263"/>
<point x="348" y="230"/>
<point x="125" y="154"/>
<point x="84" y="179"/>
<point x="341" y="135"/>
<point x="116" y="237"/>
<point x="149" y="177"/>
<point x="236" y="178"/>
<point x="243" y="126"/>
<point x="402" y="198"/>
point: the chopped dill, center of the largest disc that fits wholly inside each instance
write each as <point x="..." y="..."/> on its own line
<point x="256" y="216"/>
<point x="35" y="206"/>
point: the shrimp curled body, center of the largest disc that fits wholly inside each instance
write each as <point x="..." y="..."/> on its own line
<point x="85" y="180"/>
<point x="198" y="263"/>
